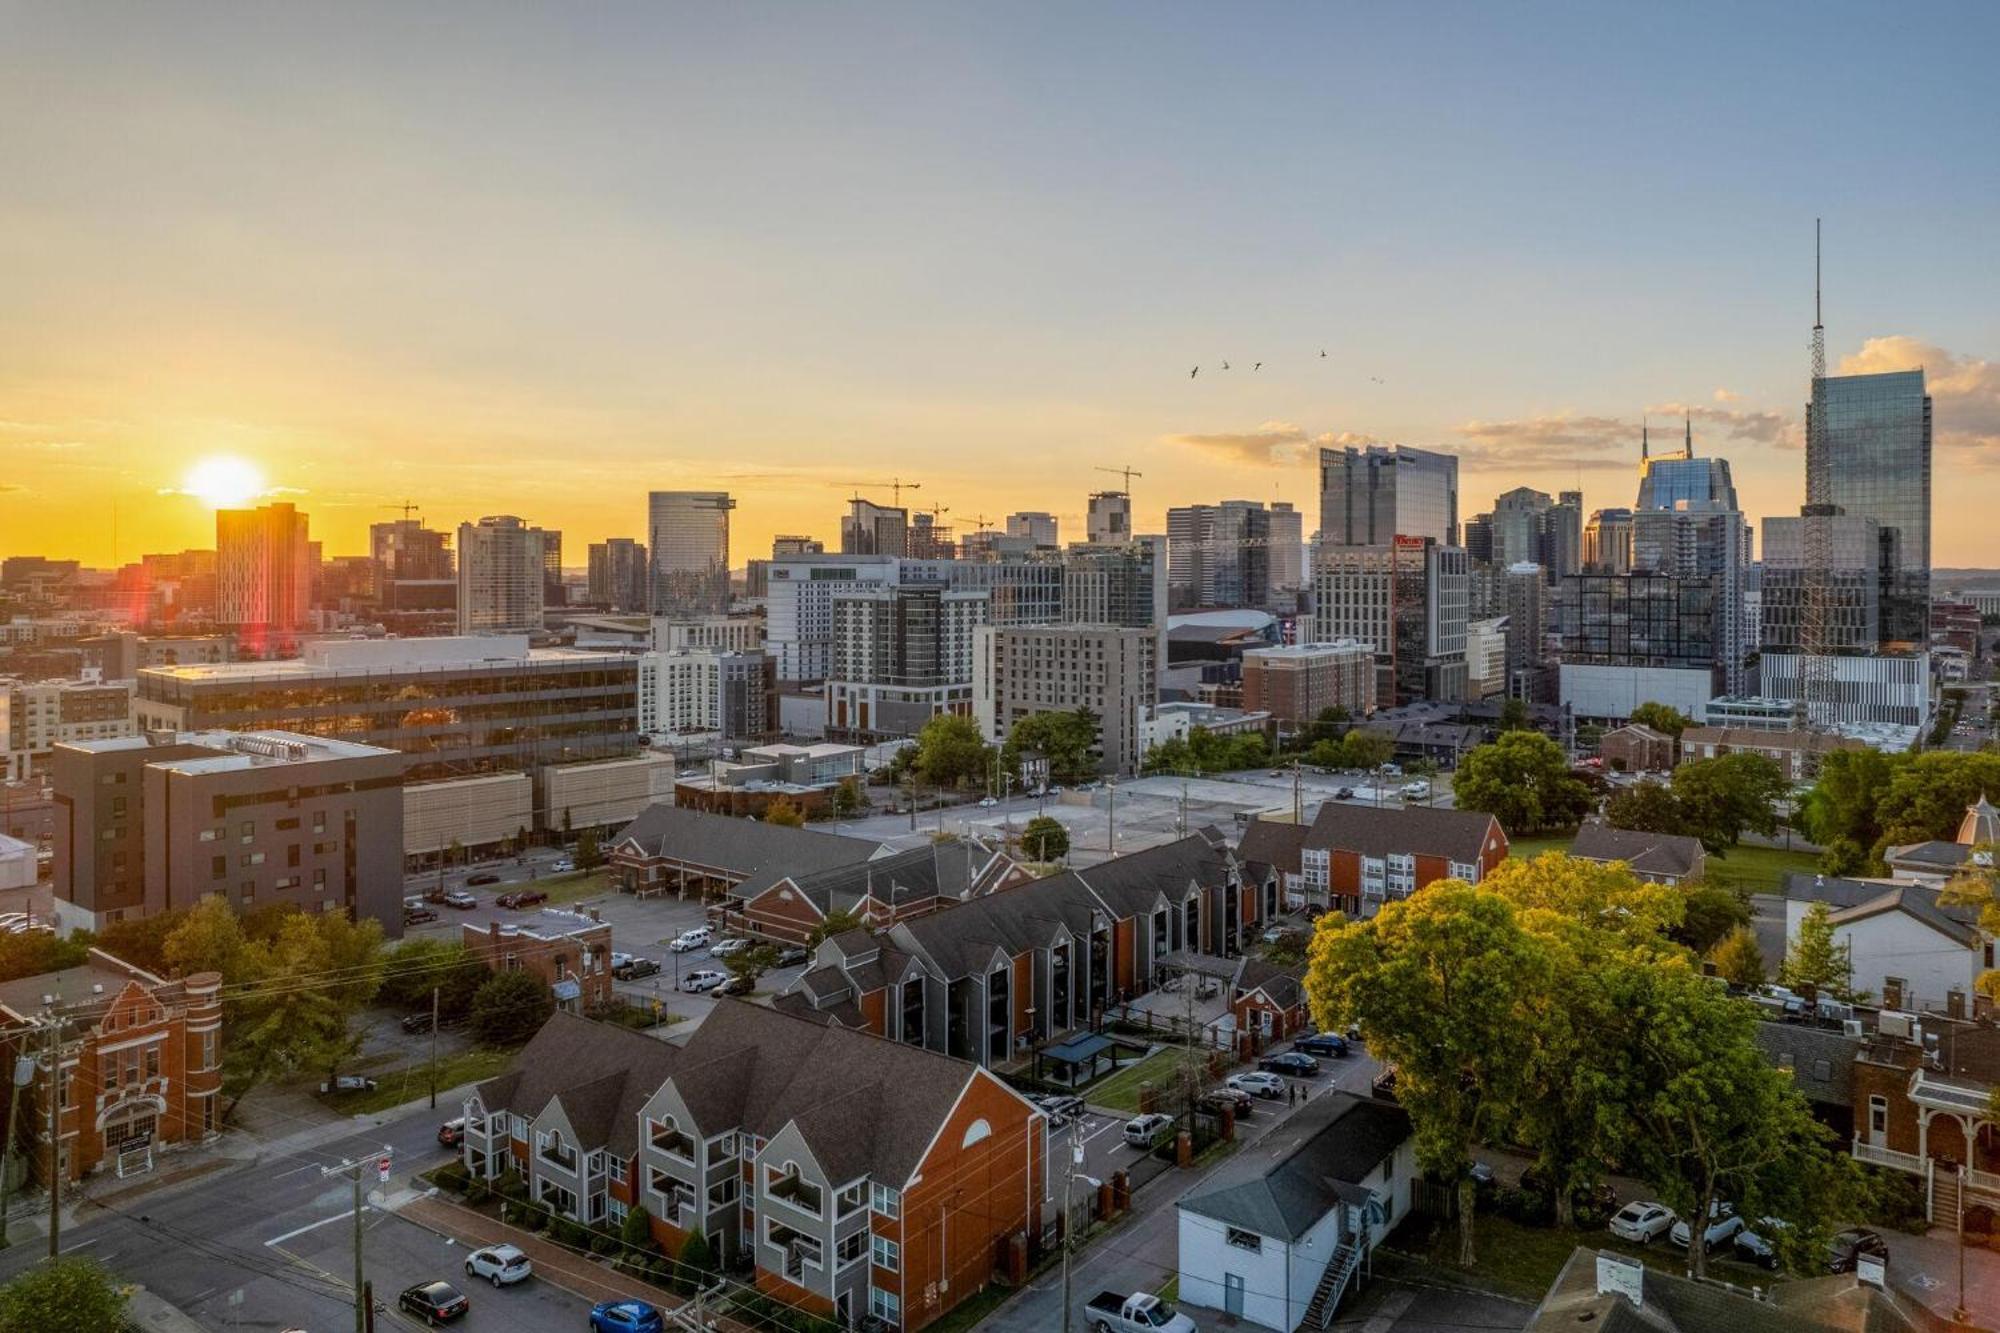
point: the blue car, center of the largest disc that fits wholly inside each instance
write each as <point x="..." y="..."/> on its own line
<point x="625" y="1317"/>
<point x="1321" y="1043"/>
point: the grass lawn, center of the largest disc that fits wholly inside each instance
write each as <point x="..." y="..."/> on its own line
<point x="1170" y="1290"/>
<point x="1521" y="1261"/>
<point x="576" y="884"/>
<point x="395" y="1086"/>
<point x="1751" y="869"/>
<point x="1528" y="848"/>
<point x="1120" y="1092"/>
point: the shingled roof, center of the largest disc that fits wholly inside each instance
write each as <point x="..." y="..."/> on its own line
<point x="1273" y="844"/>
<point x="1378" y="831"/>
<point x="1336" y="1140"/>
<point x="953" y="870"/>
<point x="1671" y="854"/>
<point x="600" y="1073"/>
<point x="1284" y="985"/>
<point x="1841" y="894"/>
<point x="1913" y="901"/>
<point x="744" y="849"/>
<point x="1675" y="1304"/>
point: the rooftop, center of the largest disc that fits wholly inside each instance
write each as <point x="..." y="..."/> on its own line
<point x="1334" y="1140"/>
<point x="232" y="751"/>
<point x="360" y="658"/>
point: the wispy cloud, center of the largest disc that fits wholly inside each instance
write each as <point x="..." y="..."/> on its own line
<point x="1965" y="390"/>
<point x="1549" y="440"/>
<point x="1273" y="444"/>
<point x="1733" y="423"/>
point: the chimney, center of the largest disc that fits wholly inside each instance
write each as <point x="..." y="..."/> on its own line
<point x="596" y="916"/>
<point x="1892" y="993"/>
<point x="493" y="933"/>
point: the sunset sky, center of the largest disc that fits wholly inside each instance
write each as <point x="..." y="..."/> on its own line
<point x="539" y="263"/>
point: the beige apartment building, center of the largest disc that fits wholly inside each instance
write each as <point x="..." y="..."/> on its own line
<point x="1021" y="670"/>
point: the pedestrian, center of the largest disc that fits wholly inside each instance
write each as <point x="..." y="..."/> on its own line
<point x="1292" y="1093"/>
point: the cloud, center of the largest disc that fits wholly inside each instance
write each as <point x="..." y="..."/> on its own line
<point x="7" y="486"/>
<point x="1965" y="390"/>
<point x="1273" y="444"/>
<point x="1734" y="423"/>
<point x="1725" y="396"/>
<point x="1549" y="440"/>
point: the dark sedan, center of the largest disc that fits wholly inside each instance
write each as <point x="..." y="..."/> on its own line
<point x="434" y="1302"/>
<point x="484" y="877"/>
<point x="1321" y="1043"/>
<point x="522" y="898"/>
<point x="1291" y="1063"/>
<point x="1850" y="1247"/>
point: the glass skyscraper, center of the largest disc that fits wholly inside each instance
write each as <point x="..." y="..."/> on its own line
<point x="1370" y="497"/>
<point x="1877" y="435"/>
<point x="689" y="540"/>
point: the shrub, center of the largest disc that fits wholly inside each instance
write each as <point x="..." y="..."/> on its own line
<point x="511" y="1007"/>
<point x="1895" y="1200"/>
<point x="452" y="1176"/>
<point x="603" y="1240"/>
<point x="574" y="1235"/>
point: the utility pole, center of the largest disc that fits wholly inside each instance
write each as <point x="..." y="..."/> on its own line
<point x="55" y="1129"/>
<point x="434" y="1047"/>
<point x="1069" y="1175"/>
<point x="24" y="1074"/>
<point x="1298" y="799"/>
<point x="1111" y="816"/>
<point x="353" y="1169"/>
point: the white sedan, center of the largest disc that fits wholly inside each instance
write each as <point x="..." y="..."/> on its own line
<point x="1723" y="1224"/>
<point x="1257" y="1084"/>
<point x="704" y="981"/>
<point x="1642" y="1223"/>
<point x="725" y="947"/>
<point x="503" y="1265"/>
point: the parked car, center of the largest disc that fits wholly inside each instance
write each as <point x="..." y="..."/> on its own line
<point x="632" y="967"/>
<point x="1237" y="1100"/>
<point x="1344" y="794"/>
<point x="725" y="948"/>
<point x="1642" y="1223"/>
<point x="1758" y="1247"/>
<point x="452" y="1132"/>
<point x="790" y="956"/>
<point x="349" y="1083"/>
<point x="987" y="803"/>
<point x="435" y="894"/>
<point x="1321" y="1043"/>
<point x="1257" y="1085"/>
<point x="502" y="1265"/>
<point x="1850" y="1246"/>
<point x="562" y="867"/>
<point x="742" y="984"/>
<point x="1141" y="1312"/>
<point x="1293" y="1063"/>
<point x="434" y="1302"/>
<point x="625" y="1317"/>
<point x="422" y="912"/>
<point x="689" y="940"/>
<point x="460" y="899"/>
<point x="704" y="980"/>
<point x="1062" y="1108"/>
<point x="1723" y="1224"/>
<point x="1143" y="1131"/>
<point x="522" y="898"/>
<point x="483" y="877"/>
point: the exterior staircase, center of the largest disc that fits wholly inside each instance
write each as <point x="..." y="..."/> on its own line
<point x="1333" y="1285"/>
<point x="1944" y="1197"/>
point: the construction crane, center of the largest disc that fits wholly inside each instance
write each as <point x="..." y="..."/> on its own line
<point x="1126" y="472"/>
<point x="408" y="507"/>
<point x="896" y="487"/>
<point x="1814" y="711"/>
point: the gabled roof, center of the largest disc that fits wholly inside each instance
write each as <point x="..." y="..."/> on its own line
<point x="1131" y="884"/>
<point x="748" y="849"/>
<point x="865" y="1106"/>
<point x="1840" y="894"/>
<point x="602" y="1074"/>
<point x="952" y="870"/>
<point x="1285" y="986"/>
<point x="1381" y="830"/>
<point x="1639" y="731"/>
<point x="1272" y="844"/>
<point x="1936" y="853"/>
<point x="1673" y="854"/>
<point x="1675" y="1304"/>
<point x="1911" y="901"/>
<point x="1333" y="1144"/>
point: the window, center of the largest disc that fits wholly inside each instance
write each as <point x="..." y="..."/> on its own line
<point x="246" y="830"/>
<point x="888" y="1255"/>
<point x="1244" y="1240"/>
<point x="292" y="855"/>
<point x="218" y="867"/>
<point x="848" y="1200"/>
<point x="886" y="1201"/>
<point x="288" y="823"/>
<point x="850" y="1249"/>
<point x="664" y="1135"/>
<point x="617" y="1171"/>
<point x="319" y="821"/>
<point x="788" y="1186"/>
<point x="1878" y="1116"/>
<point x="618" y="1210"/>
<point x="152" y="1062"/>
<point x="885" y="1306"/>
<point x="211" y="835"/>
<point x="722" y="1193"/>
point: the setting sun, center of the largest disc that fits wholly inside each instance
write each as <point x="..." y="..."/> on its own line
<point x="224" y="482"/>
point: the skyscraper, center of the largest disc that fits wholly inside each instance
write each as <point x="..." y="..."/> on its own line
<point x="1036" y="526"/>
<point x="618" y="574"/>
<point x="501" y="575"/>
<point x="1877" y="435"/>
<point x="265" y="565"/>
<point x="1288" y="549"/>
<point x="1110" y="518"/>
<point x="1518" y="526"/>
<point x="688" y="532"/>
<point x="1368" y="497"/>
<point x="1671" y="481"/>
<point x="1220" y="555"/>
<point x="871" y="529"/>
<point x="1408" y="601"/>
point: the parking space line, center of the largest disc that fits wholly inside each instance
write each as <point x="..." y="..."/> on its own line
<point x="314" y="1226"/>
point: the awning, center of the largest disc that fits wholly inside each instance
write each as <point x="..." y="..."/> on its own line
<point x="567" y="989"/>
<point x="1078" y="1050"/>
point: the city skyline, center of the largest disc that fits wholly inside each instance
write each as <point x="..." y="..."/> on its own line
<point x="457" y="304"/>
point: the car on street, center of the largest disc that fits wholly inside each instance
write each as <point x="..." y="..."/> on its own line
<point x="1321" y="1043"/>
<point x="741" y="984"/>
<point x="1344" y="794"/>
<point x="1143" y="1131"/>
<point x="461" y="900"/>
<point x="690" y="940"/>
<point x="562" y="867"/>
<point x="1061" y="1108"/>
<point x="987" y="803"/>
<point x="630" y="967"/>
<point x="1642" y="1223"/>
<point x="484" y="877"/>
<point x="434" y="1302"/>
<point x="502" y="1265"/>
<point x="724" y="948"/>
<point x="1257" y="1085"/>
<point x="1291" y="1063"/>
<point x="522" y="898"/>
<point x="420" y="913"/>
<point x="452" y="1132"/>
<point x="1852" y="1245"/>
<point x="349" y="1083"/>
<point x="1237" y="1100"/>
<point x="703" y="980"/>
<point x="1140" y="1312"/>
<point x="1723" y="1224"/>
<point x="625" y="1317"/>
<point x="790" y="956"/>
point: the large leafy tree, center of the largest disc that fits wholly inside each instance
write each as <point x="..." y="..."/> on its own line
<point x="1723" y="798"/>
<point x="1523" y="780"/>
<point x="952" y="753"/>
<point x="1445" y="986"/>
<point x="1711" y="1118"/>
<point x="1366" y="749"/>
<point x="1663" y="718"/>
<point x="1927" y="795"/>
<point x="1840" y="812"/>
<point x="1711" y="912"/>
<point x="1649" y="807"/>
<point x="1045" y="838"/>
<point x="1978" y="885"/>
<point x="783" y="813"/>
<point x="65" y="1295"/>
<point x="423" y="963"/>
<point x="511" y="1007"/>
<point x="1738" y="959"/>
<point x="1067" y="740"/>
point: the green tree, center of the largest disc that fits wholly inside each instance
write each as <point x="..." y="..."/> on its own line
<point x="1067" y="740"/>
<point x="1174" y="755"/>
<point x="422" y="963"/>
<point x="848" y="798"/>
<point x="1523" y="780"/>
<point x="752" y="963"/>
<point x="1713" y="1119"/>
<point x="783" y="813"/>
<point x="1045" y="838"/>
<point x="511" y="1007"/>
<point x="589" y="850"/>
<point x="1445" y="986"/>
<point x="1723" y="798"/>
<point x="1649" y="807"/>
<point x="1514" y="716"/>
<point x="1978" y="885"/>
<point x="836" y="922"/>
<point x="1365" y="749"/>
<point x="1325" y="726"/>
<point x="697" y="1264"/>
<point x="952" y="753"/>
<point x="1712" y="912"/>
<point x="1839" y="813"/>
<point x="1326" y="753"/>
<point x="636" y="1246"/>
<point x="33" y="952"/>
<point x="1737" y="958"/>
<point x="64" y="1295"/>
<point x="1928" y="793"/>
<point x="142" y="941"/>
<point x="208" y="939"/>
<point x="1819" y="957"/>
<point x="1663" y="718"/>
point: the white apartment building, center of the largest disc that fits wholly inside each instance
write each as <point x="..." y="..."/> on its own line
<point x="37" y="716"/>
<point x="1486" y="658"/>
<point x="901" y="655"/>
<point x="729" y="634"/>
<point x="500" y="576"/>
<point x="705" y="692"/>
<point x="1022" y="670"/>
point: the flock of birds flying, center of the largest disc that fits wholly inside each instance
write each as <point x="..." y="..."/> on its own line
<point x="1257" y="366"/>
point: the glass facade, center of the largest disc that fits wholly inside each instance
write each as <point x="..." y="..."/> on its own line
<point x="1677" y="481"/>
<point x="689" y="536"/>
<point x="1654" y="620"/>
<point x="1368" y="497"/>
<point x="1877" y="435"/>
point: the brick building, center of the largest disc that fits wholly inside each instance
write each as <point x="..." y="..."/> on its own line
<point x="1296" y="683"/>
<point x="571" y="952"/>
<point x="1268" y="1002"/>
<point x="1922" y="1105"/>
<point x="1354" y="858"/>
<point x="1637" y="748"/>
<point x="141" y="1061"/>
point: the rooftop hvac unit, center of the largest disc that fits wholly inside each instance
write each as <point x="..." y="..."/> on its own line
<point x="1850" y="1027"/>
<point x="1891" y="1023"/>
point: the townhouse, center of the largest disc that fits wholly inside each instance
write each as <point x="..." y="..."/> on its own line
<point x="856" y="1176"/>
<point x="1267" y="1002"/>
<point x="1923" y="1092"/>
<point x="569" y="951"/>
<point x="991" y="977"/>
<point x="1271" y="851"/>
<point x="791" y="905"/>
<point x="669" y="849"/>
<point x="1906" y="945"/>
<point x="1354" y="858"/>
<point x="141" y="1060"/>
<point x="1657" y="858"/>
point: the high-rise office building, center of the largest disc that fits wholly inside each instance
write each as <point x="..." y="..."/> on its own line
<point x="1562" y="535"/>
<point x="554" y="591"/>
<point x="1479" y="539"/>
<point x="1526" y="594"/>
<point x="1607" y="542"/>
<point x="1037" y="527"/>
<point x="1369" y="497"/>
<point x="688" y="533"/>
<point x="1288" y="550"/>
<point x="1110" y="518"/>
<point x="1518" y="526"/>
<point x="406" y="549"/>
<point x="1120" y="584"/>
<point x="1408" y="600"/>
<point x="618" y="574"/>
<point x="871" y="529"/>
<point x="1030" y="669"/>
<point x="1677" y="480"/>
<point x="265" y="567"/>
<point x="902" y="654"/>
<point x="1855" y="585"/>
<point x="1877" y="435"/>
<point x="501" y="576"/>
<point x="1219" y="555"/>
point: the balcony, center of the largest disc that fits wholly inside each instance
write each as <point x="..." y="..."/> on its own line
<point x="789" y="1188"/>
<point x="1889" y="1157"/>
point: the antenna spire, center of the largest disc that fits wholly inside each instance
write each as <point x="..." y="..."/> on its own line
<point x="1644" y="448"/>
<point x="1817" y="322"/>
<point x="1687" y="441"/>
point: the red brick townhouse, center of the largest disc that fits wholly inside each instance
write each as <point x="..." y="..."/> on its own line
<point x="858" y="1176"/>
<point x="1268" y="1002"/>
<point x="989" y="978"/>
<point x="1357" y="857"/>
<point x="141" y="1060"/>
<point x="1923" y="1096"/>
<point x="569" y="951"/>
<point x="669" y="849"/>
<point x="790" y="906"/>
